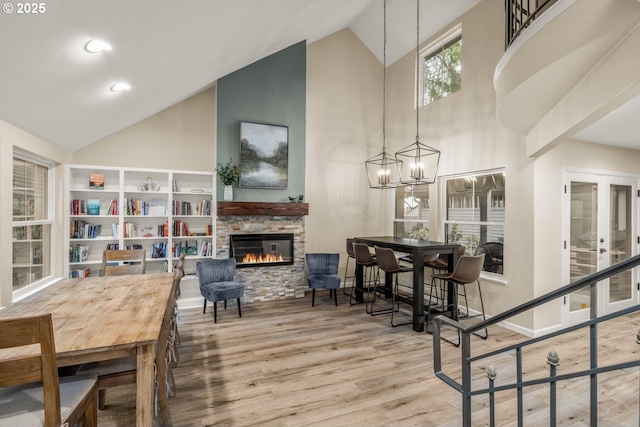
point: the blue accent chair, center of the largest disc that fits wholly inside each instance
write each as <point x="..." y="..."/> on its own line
<point x="322" y="273"/>
<point x="217" y="283"/>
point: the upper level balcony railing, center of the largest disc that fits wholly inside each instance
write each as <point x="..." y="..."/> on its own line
<point x="519" y="14"/>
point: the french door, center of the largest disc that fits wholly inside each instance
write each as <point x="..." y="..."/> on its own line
<point x="600" y="229"/>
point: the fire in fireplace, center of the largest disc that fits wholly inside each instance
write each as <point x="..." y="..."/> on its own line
<point x="253" y="250"/>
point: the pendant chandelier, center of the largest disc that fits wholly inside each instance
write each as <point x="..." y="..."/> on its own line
<point x="418" y="163"/>
<point x="383" y="170"/>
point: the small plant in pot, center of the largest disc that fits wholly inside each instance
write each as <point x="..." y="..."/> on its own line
<point x="229" y="174"/>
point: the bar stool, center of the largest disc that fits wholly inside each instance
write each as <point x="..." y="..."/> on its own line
<point x="467" y="271"/>
<point x="370" y="272"/>
<point x="350" y="255"/>
<point x="439" y="265"/>
<point x="388" y="263"/>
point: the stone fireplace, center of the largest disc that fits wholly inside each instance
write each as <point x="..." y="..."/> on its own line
<point x="244" y="221"/>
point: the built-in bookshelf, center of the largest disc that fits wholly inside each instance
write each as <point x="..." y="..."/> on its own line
<point x="162" y="211"/>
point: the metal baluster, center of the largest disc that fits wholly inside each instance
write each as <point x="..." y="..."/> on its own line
<point x="519" y="390"/>
<point x="492" y="374"/>
<point x="553" y="359"/>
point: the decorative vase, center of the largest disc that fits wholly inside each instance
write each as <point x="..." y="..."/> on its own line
<point x="228" y="193"/>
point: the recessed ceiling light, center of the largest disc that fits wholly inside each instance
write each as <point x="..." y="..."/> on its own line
<point x="95" y="46"/>
<point x="120" y="86"/>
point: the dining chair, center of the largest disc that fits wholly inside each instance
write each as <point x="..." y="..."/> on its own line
<point x="466" y="271"/>
<point x="494" y="257"/>
<point x="387" y="261"/>
<point x="350" y="256"/>
<point x="180" y="265"/>
<point x="31" y="393"/>
<point x="218" y="283"/>
<point x="322" y="273"/>
<point x="371" y="276"/>
<point x="122" y="371"/>
<point x="123" y="261"/>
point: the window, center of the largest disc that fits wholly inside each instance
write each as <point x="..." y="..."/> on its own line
<point x="412" y="211"/>
<point x="31" y="221"/>
<point x="442" y="68"/>
<point x="475" y="212"/>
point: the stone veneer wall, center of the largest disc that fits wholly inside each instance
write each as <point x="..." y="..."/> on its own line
<point x="266" y="283"/>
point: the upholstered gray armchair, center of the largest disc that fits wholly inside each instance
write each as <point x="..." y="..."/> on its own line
<point x="322" y="273"/>
<point x="217" y="283"/>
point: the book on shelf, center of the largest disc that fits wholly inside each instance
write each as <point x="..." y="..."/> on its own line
<point x="84" y="230"/>
<point x="78" y="253"/>
<point x="79" y="273"/>
<point x="159" y="250"/>
<point x="78" y="207"/>
<point x="113" y="207"/>
<point x="96" y="181"/>
<point x="205" y="249"/>
<point x="129" y="230"/>
<point x="93" y="206"/>
<point x="192" y="247"/>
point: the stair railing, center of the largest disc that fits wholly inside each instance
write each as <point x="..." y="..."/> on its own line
<point x="465" y="386"/>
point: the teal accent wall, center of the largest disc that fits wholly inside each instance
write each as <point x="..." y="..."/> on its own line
<point x="270" y="91"/>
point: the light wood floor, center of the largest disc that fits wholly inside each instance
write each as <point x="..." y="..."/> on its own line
<point x="285" y="363"/>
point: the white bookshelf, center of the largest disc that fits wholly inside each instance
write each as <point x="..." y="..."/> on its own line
<point x="145" y="216"/>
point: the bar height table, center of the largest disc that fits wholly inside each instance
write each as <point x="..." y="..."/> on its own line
<point x="418" y="249"/>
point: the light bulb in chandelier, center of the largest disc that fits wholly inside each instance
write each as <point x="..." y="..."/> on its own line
<point x="417" y="170"/>
<point x="384" y="176"/>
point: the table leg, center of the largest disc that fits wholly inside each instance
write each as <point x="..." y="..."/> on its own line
<point x="418" y="292"/>
<point x="359" y="283"/>
<point x="145" y="381"/>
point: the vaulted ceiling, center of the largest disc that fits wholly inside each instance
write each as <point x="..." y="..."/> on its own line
<point x="168" y="51"/>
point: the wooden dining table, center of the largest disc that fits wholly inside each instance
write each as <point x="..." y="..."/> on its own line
<point x="418" y="249"/>
<point x="103" y="318"/>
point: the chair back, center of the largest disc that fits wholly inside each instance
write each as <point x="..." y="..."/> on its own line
<point x="216" y="270"/>
<point x="468" y="268"/>
<point x="33" y="367"/>
<point x="322" y="263"/>
<point x="386" y="259"/>
<point x="180" y="265"/>
<point x="350" y="251"/>
<point x="362" y="254"/>
<point x="494" y="254"/>
<point x="123" y="261"/>
<point x="443" y="259"/>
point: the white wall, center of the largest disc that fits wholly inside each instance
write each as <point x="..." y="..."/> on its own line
<point x="180" y="137"/>
<point x="344" y="129"/>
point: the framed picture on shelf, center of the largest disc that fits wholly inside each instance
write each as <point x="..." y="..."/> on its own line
<point x="96" y="181"/>
<point x="264" y="155"/>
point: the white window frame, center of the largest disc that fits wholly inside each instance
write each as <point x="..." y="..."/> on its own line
<point x="444" y="205"/>
<point x="430" y="50"/>
<point x="50" y="220"/>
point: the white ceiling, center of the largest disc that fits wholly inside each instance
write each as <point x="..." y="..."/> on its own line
<point x="168" y="51"/>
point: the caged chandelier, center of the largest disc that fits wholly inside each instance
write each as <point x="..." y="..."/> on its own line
<point x="383" y="170"/>
<point x="420" y="161"/>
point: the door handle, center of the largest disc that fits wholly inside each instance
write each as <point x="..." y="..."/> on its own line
<point x="602" y="250"/>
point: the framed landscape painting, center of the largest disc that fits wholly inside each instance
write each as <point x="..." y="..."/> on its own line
<point x="264" y="155"/>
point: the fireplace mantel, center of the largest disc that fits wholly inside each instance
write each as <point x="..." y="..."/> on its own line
<point x="262" y="209"/>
